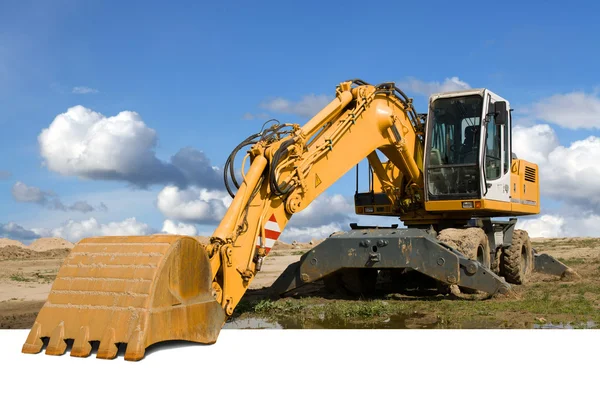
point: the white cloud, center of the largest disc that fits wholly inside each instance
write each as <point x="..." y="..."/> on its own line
<point x="12" y="230"/>
<point x="193" y="204"/>
<point x="179" y="228"/>
<point x="85" y="143"/>
<point x="84" y="90"/>
<point x="249" y="116"/>
<point x="307" y="106"/>
<point x="567" y="173"/>
<point x="23" y="193"/>
<point x="545" y="226"/>
<point x="29" y="194"/>
<point x="534" y="143"/>
<point x="306" y="234"/>
<point x="428" y="88"/>
<point x="77" y="230"/>
<point x="575" y="110"/>
<point x="584" y="224"/>
<point x="324" y="210"/>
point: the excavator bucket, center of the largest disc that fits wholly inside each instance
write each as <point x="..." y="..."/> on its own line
<point x="133" y="290"/>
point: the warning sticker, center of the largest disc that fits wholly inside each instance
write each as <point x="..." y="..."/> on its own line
<point x="272" y="232"/>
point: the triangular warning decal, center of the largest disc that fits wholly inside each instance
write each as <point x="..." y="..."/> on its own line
<point x="317" y="180"/>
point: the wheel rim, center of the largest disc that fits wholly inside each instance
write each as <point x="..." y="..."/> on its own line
<point x="524" y="260"/>
<point x="481" y="255"/>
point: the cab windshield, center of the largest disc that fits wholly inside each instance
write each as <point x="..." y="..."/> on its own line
<point x="453" y="147"/>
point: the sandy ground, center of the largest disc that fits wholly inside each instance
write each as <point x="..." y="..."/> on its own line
<point x="26" y="275"/>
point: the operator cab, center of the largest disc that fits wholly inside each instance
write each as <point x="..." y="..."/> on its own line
<point x="468" y="146"/>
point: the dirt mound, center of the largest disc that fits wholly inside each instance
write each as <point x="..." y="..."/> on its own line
<point x="9" y="242"/>
<point x="283" y="246"/>
<point x="460" y="239"/>
<point x="22" y="253"/>
<point x="203" y="239"/>
<point x="45" y="244"/>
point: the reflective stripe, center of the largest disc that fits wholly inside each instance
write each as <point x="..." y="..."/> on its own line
<point x="272" y="232"/>
<point x="272" y="226"/>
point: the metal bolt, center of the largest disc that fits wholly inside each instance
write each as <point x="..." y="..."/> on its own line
<point x="471" y="268"/>
<point x="313" y="261"/>
<point x="451" y="279"/>
<point x="441" y="261"/>
<point x="304" y="277"/>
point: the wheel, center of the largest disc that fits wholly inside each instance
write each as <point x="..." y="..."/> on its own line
<point x="333" y="282"/>
<point x="359" y="281"/>
<point x="517" y="260"/>
<point x="352" y="281"/>
<point x="472" y="242"/>
<point x="497" y="259"/>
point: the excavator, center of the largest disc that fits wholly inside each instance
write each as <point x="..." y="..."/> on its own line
<point x="445" y="174"/>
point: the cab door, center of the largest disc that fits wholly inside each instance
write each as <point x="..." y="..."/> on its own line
<point x="495" y="155"/>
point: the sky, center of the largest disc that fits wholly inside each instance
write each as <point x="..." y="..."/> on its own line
<point x="117" y="117"/>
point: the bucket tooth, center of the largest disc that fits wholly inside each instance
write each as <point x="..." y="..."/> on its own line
<point x="81" y="345"/>
<point x="135" y="348"/>
<point x="108" y="349"/>
<point x="130" y="290"/>
<point x="57" y="345"/>
<point x="33" y="344"/>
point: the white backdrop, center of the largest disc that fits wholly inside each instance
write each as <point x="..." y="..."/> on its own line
<point x="336" y="364"/>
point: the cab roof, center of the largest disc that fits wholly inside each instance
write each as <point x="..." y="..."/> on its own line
<point x="468" y="92"/>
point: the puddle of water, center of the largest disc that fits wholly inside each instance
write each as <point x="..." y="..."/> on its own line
<point x="252" y="323"/>
<point x="397" y="321"/>
<point x="586" y="325"/>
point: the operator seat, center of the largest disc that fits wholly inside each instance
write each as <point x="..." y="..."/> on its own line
<point x="470" y="147"/>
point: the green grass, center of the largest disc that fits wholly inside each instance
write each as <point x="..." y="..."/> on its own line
<point x="46" y="276"/>
<point x="19" y="277"/>
<point x="563" y="303"/>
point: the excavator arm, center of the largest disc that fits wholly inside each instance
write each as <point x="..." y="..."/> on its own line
<point x="289" y="170"/>
<point x="143" y="290"/>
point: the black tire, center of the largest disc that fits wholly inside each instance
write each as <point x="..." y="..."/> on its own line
<point x="352" y="282"/>
<point x="359" y="281"/>
<point x="473" y="243"/>
<point x="479" y="247"/>
<point x="497" y="261"/>
<point x="517" y="260"/>
<point x="333" y="282"/>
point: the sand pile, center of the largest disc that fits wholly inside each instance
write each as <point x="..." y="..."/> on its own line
<point x="45" y="244"/>
<point x="9" y="242"/>
<point x="203" y="239"/>
<point x="283" y="246"/>
<point x="23" y="253"/>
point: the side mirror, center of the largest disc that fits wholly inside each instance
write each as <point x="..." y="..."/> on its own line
<point x="501" y="113"/>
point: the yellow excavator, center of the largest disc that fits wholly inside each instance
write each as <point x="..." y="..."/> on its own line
<point x="445" y="174"/>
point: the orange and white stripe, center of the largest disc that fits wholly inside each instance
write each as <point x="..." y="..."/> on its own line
<point x="272" y="232"/>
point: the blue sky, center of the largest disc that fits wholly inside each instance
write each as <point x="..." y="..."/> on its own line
<point x="195" y="72"/>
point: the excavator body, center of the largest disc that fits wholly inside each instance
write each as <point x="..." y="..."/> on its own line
<point x="446" y="173"/>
